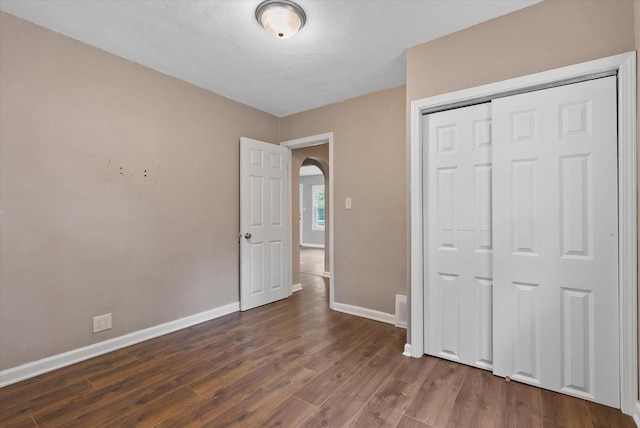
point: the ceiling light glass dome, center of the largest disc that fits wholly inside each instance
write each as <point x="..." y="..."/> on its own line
<point x="280" y="18"/>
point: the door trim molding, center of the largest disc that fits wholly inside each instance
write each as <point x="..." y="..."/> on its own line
<point x="316" y="140"/>
<point x="625" y="67"/>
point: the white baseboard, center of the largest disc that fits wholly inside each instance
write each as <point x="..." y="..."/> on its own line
<point x="364" y="312"/>
<point x="312" y="245"/>
<point x="407" y="350"/>
<point x="636" y="414"/>
<point x="35" y="368"/>
<point x="326" y="274"/>
<point x="296" y="287"/>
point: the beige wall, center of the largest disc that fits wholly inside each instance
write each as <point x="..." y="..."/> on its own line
<point x="84" y="231"/>
<point x="321" y="154"/>
<point x="369" y="167"/>
<point x="548" y="35"/>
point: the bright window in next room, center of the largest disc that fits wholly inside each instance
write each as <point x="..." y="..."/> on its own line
<point x="318" y="207"/>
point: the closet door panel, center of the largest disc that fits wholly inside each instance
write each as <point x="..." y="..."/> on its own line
<point x="555" y="289"/>
<point x="458" y="236"/>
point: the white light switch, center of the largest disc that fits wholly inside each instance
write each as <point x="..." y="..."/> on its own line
<point x="347" y="203"/>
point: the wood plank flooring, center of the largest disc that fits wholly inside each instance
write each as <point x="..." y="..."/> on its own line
<point x="312" y="260"/>
<point x="293" y="363"/>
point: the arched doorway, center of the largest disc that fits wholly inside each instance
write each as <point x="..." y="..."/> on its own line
<point x="311" y="250"/>
<point x="312" y="217"/>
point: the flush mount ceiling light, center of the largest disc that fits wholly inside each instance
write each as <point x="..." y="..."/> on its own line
<point x="280" y="18"/>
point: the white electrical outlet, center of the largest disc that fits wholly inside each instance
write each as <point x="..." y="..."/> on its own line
<point x="101" y="322"/>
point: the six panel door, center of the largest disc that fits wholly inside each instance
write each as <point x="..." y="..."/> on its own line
<point x="458" y="297"/>
<point x="556" y="239"/>
<point x="264" y="226"/>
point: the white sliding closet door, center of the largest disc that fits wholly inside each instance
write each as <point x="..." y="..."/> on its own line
<point x="458" y="294"/>
<point x="556" y="239"/>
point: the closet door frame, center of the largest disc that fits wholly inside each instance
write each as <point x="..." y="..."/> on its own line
<point x="624" y="66"/>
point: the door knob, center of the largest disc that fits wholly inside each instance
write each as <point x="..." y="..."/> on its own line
<point x="247" y="235"/>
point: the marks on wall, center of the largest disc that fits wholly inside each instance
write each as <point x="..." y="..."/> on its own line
<point x="151" y="173"/>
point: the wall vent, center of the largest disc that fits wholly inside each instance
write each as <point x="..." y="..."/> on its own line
<point x="401" y="311"/>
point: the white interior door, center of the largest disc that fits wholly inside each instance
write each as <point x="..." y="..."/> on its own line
<point x="265" y="247"/>
<point x="556" y="239"/>
<point x="458" y="247"/>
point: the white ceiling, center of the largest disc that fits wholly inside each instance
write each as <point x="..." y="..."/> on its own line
<point x="347" y="48"/>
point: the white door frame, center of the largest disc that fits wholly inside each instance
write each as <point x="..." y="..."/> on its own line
<point x="625" y="67"/>
<point x="301" y="204"/>
<point x="316" y="140"/>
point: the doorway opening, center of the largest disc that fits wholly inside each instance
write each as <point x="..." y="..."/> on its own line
<point x="312" y="217"/>
<point x="314" y="151"/>
<point x="311" y="211"/>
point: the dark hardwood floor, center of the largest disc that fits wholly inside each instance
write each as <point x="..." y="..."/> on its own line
<point x="312" y="260"/>
<point x="291" y="363"/>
